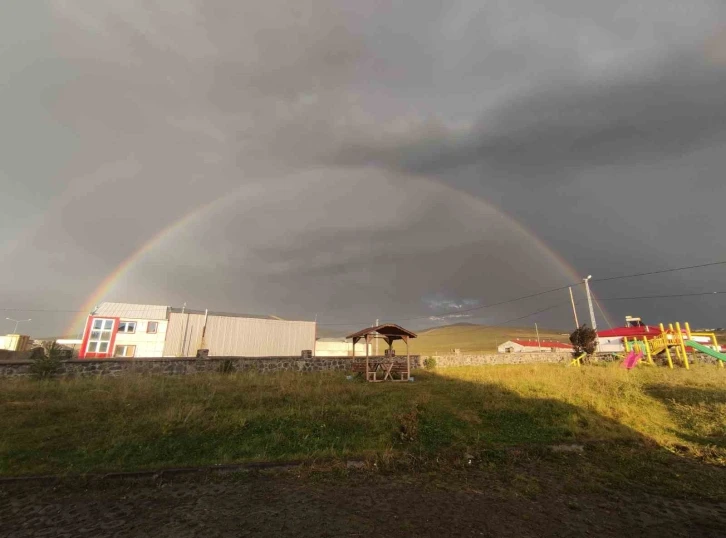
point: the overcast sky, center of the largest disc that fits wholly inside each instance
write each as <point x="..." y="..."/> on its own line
<point x="361" y="160"/>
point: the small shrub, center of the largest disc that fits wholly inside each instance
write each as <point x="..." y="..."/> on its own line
<point x="226" y="367"/>
<point x="583" y="340"/>
<point x="429" y="363"/>
<point x="46" y="362"/>
<point x="408" y="428"/>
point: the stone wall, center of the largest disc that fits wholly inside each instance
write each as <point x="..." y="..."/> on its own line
<point x="181" y="366"/>
<point x="444" y="361"/>
<point x="190" y="365"/>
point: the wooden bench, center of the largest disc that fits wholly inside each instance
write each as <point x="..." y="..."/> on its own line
<point x="400" y="368"/>
<point x="397" y="367"/>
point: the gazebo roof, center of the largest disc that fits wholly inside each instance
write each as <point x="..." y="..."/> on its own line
<point x="390" y="330"/>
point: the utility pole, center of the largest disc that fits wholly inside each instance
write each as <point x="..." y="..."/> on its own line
<point x="589" y="301"/>
<point x="377" y="340"/>
<point x="574" y="311"/>
<point x="539" y="344"/>
<point x="17" y="321"/>
<point x="182" y="334"/>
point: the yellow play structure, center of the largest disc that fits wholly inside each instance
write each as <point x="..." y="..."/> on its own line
<point x="673" y="338"/>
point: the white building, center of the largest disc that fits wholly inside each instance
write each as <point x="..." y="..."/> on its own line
<point x="337" y="347"/>
<point x="135" y="330"/>
<point x="236" y="335"/>
<point x="533" y="346"/>
<point x="125" y="330"/>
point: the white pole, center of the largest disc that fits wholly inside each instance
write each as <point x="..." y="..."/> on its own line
<point x="17" y="321"/>
<point x="377" y="340"/>
<point x="539" y="344"/>
<point x="574" y="310"/>
<point x="315" y="336"/>
<point x="182" y="335"/>
<point x="589" y="301"/>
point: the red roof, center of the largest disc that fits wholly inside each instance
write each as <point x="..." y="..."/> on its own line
<point x="543" y="343"/>
<point x="648" y="330"/>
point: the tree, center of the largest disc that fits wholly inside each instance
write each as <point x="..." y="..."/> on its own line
<point x="583" y="340"/>
<point x="46" y="360"/>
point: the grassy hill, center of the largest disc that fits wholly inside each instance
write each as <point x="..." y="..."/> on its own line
<point x="472" y="338"/>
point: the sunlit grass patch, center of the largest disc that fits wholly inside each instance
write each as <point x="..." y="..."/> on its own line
<point x="92" y="424"/>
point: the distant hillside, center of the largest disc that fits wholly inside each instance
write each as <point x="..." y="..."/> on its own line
<point x="462" y="324"/>
<point x="473" y="338"/>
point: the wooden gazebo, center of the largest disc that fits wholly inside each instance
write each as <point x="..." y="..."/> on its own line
<point x="390" y="333"/>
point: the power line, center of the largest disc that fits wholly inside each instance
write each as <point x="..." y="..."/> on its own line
<point x="38" y="310"/>
<point x="711" y="264"/>
<point x="663" y="296"/>
<point x="552" y="307"/>
<point x="601" y="312"/>
<point x="490" y="305"/>
<point x="466" y="310"/>
<point x="544" y="292"/>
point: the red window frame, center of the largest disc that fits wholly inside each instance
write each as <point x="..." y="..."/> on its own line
<point x="82" y="354"/>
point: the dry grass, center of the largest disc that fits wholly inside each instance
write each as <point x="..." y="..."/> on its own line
<point x="93" y="424"/>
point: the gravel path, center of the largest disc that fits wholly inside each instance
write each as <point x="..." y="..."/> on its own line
<point x="357" y="505"/>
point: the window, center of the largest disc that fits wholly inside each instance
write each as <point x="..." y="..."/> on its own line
<point x="100" y="337"/>
<point x="127" y="327"/>
<point x="124" y="351"/>
<point x="152" y="327"/>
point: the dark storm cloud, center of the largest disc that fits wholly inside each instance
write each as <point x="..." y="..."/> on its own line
<point x="599" y="125"/>
<point x="666" y="108"/>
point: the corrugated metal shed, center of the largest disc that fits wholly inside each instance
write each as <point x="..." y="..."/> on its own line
<point x="132" y="311"/>
<point x="237" y="336"/>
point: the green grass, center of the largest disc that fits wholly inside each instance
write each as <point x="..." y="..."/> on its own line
<point x="96" y="424"/>
<point x="472" y="339"/>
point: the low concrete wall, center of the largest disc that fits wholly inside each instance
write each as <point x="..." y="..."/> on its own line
<point x="191" y="365"/>
<point x="181" y="366"/>
<point x="444" y="361"/>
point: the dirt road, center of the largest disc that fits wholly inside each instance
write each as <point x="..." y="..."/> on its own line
<point x="356" y="504"/>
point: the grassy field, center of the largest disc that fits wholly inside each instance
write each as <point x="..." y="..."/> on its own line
<point x="472" y="338"/>
<point x="95" y="424"/>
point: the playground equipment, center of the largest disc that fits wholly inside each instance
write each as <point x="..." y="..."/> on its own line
<point x="577" y="361"/>
<point x="677" y="339"/>
<point x="632" y="359"/>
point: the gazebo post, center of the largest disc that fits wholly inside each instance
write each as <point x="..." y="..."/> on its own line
<point x="408" y="359"/>
<point x="367" y="369"/>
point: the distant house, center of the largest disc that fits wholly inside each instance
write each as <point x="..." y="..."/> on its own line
<point x="611" y="340"/>
<point x="533" y="346"/>
<point x="339" y="347"/>
<point x="138" y="330"/>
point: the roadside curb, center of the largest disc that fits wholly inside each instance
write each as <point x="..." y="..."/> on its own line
<point x="159" y="473"/>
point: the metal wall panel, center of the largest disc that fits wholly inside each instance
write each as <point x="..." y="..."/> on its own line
<point x="236" y="336"/>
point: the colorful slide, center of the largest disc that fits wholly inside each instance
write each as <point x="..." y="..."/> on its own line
<point x="632" y="359"/>
<point x="706" y="350"/>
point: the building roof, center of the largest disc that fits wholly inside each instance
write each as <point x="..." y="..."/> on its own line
<point x="646" y="330"/>
<point x="225" y="314"/>
<point x="387" y="329"/>
<point x="132" y="311"/>
<point x="542" y="343"/>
